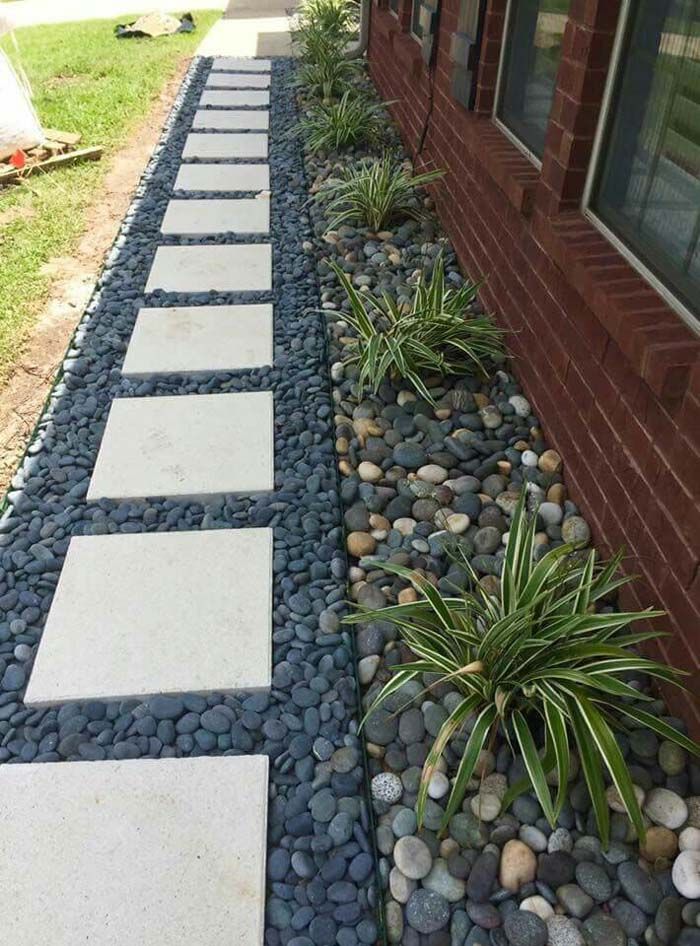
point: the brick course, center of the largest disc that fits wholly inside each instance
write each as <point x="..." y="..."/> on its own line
<point x="611" y="369"/>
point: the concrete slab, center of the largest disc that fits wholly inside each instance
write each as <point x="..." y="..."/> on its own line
<point x="240" y="64"/>
<point x="147" y="851"/>
<point x="223" y="177"/>
<point x="232" y="80"/>
<point x="161" y="612"/>
<point x="225" y="145"/>
<point x="193" y="446"/>
<point x="205" y="268"/>
<point x="217" y="215"/>
<point x="232" y="119"/>
<point x="253" y="98"/>
<point x="184" y="340"/>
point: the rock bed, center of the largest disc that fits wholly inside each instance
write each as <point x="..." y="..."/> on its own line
<point x="415" y="482"/>
<point x="320" y="863"/>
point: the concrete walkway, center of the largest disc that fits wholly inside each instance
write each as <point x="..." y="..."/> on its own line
<point x="251" y="28"/>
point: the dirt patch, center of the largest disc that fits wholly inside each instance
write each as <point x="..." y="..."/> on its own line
<point x="57" y="82"/>
<point x="23" y="395"/>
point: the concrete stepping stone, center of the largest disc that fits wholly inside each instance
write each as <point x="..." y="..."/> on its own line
<point x="193" y="446"/>
<point x="227" y="80"/>
<point x="238" y="268"/>
<point x="185" y="340"/>
<point x="225" y="145"/>
<point x="158" y="613"/>
<point x="223" y="177"/>
<point x="235" y="98"/>
<point x="217" y="215"/>
<point x="146" y="851"/>
<point x="239" y="64"/>
<point x="232" y="120"/>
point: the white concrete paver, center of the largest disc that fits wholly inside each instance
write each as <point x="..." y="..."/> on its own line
<point x="217" y="215"/>
<point x="243" y="80"/>
<point x="231" y="120"/>
<point x="225" y="145"/>
<point x="223" y="177"/>
<point x="235" y="98"/>
<point x="188" y="339"/>
<point x="203" y="268"/>
<point x="147" y="851"/>
<point x="240" y="64"/>
<point x="161" y="612"/>
<point x="192" y="446"/>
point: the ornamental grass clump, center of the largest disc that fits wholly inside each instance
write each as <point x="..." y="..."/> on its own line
<point x="374" y="193"/>
<point x="435" y="335"/>
<point x="324" y="24"/>
<point x="537" y="665"/>
<point x="328" y="77"/>
<point x="332" y="126"/>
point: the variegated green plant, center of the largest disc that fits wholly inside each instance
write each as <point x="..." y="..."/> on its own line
<point x="435" y="335"/>
<point x="352" y="120"/>
<point x="324" y="24"/>
<point x="539" y="664"/>
<point x="328" y="77"/>
<point x="373" y="193"/>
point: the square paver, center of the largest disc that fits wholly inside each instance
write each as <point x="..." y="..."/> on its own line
<point x="217" y="215"/>
<point x="227" y="80"/>
<point x="194" y="446"/>
<point x="183" y="340"/>
<point x="239" y="64"/>
<point x="225" y="145"/>
<point x="161" y="612"/>
<point x="232" y="119"/>
<point x="235" y="98"/>
<point x="238" y="268"/>
<point x="223" y="177"/>
<point x="146" y="851"/>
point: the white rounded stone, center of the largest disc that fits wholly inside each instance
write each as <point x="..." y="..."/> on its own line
<point x="539" y="906"/>
<point x="370" y="472"/>
<point x="485" y="806"/>
<point x="529" y="458"/>
<point x="458" y="523"/>
<point x="367" y="667"/>
<point x="666" y="808"/>
<point x="520" y="405"/>
<point x="387" y="787"/>
<point x="432" y="473"/>
<point x="689" y="839"/>
<point x="405" y="525"/>
<point x="438" y="786"/>
<point x="686" y="874"/>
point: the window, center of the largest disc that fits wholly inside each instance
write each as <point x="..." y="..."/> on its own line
<point x="394" y="6"/>
<point x="646" y="187"/>
<point x="415" y="20"/>
<point x="534" y="33"/>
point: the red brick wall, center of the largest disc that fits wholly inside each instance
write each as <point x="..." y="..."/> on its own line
<point x="612" y="371"/>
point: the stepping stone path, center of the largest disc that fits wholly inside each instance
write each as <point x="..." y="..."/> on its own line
<point x="193" y="217"/>
<point x="236" y="97"/>
<point x="194" y="339"/>
<point x="225" y="146"/>
<point x="194" y="446"/>
<point x="127" y="604"/>
<point x="169" y="850"/>
<point x="235" y="178"/>
<point x="145" y="852"/>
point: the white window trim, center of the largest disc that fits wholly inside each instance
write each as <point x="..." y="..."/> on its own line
<point x="418" y="39"/>
<point x="687" y="315"/>
<point x="394" y="13"/>
<point x="502" y="127"/>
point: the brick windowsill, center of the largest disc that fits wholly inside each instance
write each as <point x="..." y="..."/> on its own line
<point x="654" y="338"/>
<point x="509" y="168"/>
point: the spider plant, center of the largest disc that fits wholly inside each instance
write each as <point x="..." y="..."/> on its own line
<point x="373" y="193"/>
<point x="329" y="76"/>
<point x="536" y="659"/>
<point x="331" y="126"/>
<point x="434" y="336"/>
<point x="324" y="24"/>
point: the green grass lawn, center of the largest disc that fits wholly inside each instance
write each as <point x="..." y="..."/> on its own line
<point x="84" y="81"/>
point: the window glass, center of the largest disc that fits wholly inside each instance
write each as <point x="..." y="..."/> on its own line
<point x="531" y="60"/>
<point x="394" y="6"/>
<point x="415" y="19"/>
<point x="648" y="185"/>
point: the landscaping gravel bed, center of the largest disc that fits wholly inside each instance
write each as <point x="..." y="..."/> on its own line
<point x="416" y="482"/>
<point x="320" y="863"/>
